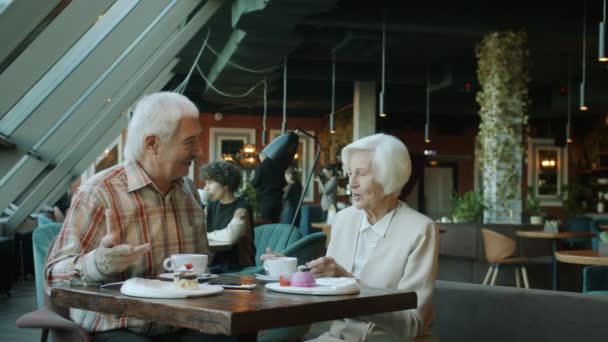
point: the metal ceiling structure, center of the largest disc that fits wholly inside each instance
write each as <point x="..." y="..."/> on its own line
<point x="71" y="69"/>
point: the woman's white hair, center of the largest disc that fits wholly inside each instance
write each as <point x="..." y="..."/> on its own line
<point x="156" y="114"/>
<point x="391" y="163"/>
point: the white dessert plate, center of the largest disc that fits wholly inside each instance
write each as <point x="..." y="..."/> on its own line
<point x="265" y="277"/>
<point x="153" y="288"/>
<point x="324" y="287"/>
<point x="170" y="276"/>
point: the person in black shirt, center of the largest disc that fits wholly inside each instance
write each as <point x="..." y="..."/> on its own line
<point x="269" y="182"/>
<point x="291" y="195"/>
<point x="229" y="218"/>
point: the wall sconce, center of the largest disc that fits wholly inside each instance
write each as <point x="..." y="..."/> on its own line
<point x="548" y="163"/>
<point x="249" y="148"/>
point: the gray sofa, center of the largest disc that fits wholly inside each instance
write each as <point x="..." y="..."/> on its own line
<point x="473" y="312"/>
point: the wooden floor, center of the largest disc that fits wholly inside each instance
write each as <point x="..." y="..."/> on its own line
<point x="22" y="300"/>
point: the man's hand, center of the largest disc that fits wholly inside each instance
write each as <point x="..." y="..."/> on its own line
<point x="269" y="254"/>
<point x="111" y="258"/>
<point x="326" y="267"/>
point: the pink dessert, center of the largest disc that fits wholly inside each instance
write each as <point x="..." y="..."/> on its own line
<point x="303" y="279"/>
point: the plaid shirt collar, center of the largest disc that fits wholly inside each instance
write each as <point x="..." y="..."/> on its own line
<point x="137" y="177"/>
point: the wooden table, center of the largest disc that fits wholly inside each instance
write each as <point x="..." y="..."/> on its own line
<point x="541" y="234"/>
<point x="239" y="313"/>
<point x="582" y="257"/>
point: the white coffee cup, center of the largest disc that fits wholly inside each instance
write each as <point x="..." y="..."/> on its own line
<point x="280" y="266"/>
<point x="198" y="261"/>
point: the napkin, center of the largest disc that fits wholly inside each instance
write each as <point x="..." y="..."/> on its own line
<point x="338" y="283"/>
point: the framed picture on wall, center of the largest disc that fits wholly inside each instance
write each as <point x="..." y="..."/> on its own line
<point x="303" y="162"/>
<point x="228" y="141"/>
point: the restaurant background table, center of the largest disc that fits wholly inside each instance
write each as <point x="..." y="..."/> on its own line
<point x="582" y="257"/>
<point x="541" y="234"/>
<point x="239" y="313"/>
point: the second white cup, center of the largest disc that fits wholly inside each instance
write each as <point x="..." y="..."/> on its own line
<point x="198" y="261"/>
<point x="280" y="266"/>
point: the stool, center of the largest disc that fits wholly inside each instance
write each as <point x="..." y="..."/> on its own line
<point x="499" y="251"/>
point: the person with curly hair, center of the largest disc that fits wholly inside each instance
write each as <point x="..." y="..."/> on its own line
<point x="229" y="218"/>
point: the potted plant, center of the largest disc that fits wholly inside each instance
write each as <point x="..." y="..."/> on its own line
<point x="533" y="207"/>
<point x="467" y="208"/>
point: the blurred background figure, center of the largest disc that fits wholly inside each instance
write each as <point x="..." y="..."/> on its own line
<point x="269" y="181"/>
<point x="291" y="195"/>
<point x="328" y="188"/>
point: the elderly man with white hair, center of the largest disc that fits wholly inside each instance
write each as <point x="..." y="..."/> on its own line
<point x="381" y="241"/>
<point x="125" y="220"/>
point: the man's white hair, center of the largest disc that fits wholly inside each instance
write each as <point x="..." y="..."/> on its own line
<point x="156" y="114"/>
<point x="391" y="163"/>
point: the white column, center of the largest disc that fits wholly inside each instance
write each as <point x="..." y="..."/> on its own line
<point x="364" y="109"/>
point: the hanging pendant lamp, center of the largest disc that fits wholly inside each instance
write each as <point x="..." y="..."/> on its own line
<point x="583" y="105"/>
<point x="382" y="113"/>
<point x="265" y="112"/>
<point x="284" y="126"/>
<point x="332" y="128"/>
<point x="602" y="55"/>
<point x="427" y="124"/>
<point x="569" y="111"/>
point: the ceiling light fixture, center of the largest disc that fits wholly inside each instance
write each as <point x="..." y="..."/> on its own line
<point x="583" y="105"/>
<point x="382" y="112"/>
<point x="332" y="127"/>
<point x="602" y="56"/>
<point x="568" y="123"/>
<point x="427" y="124"/>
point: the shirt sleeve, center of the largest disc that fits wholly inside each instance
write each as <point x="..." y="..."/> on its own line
<point x="72" y="258"/>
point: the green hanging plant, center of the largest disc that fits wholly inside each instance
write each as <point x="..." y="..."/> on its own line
<point x="503" y="99"/>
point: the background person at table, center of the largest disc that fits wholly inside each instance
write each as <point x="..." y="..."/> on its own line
<point x="229" y="218"/>
<point x="382" y="241"/>
<point x="291" y="195"/>
<point x="268" y="181"/>
<point x="125" y="220"/>
<point x="328" y="189"/>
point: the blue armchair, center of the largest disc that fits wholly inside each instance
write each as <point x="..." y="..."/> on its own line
<point x="310" y="214"/>
<point x="595" y="228"/>
<point x="48" y="317"/>
<point x="578" y="224"/>
<point x="274" y="236"/>
<point x="595" y="280"/>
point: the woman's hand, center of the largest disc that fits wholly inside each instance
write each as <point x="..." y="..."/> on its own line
<point x="327" y="267"/>
<point x="269" y="254"/>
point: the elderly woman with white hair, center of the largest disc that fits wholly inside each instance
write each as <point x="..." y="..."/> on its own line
<point x="381" y="241"/>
